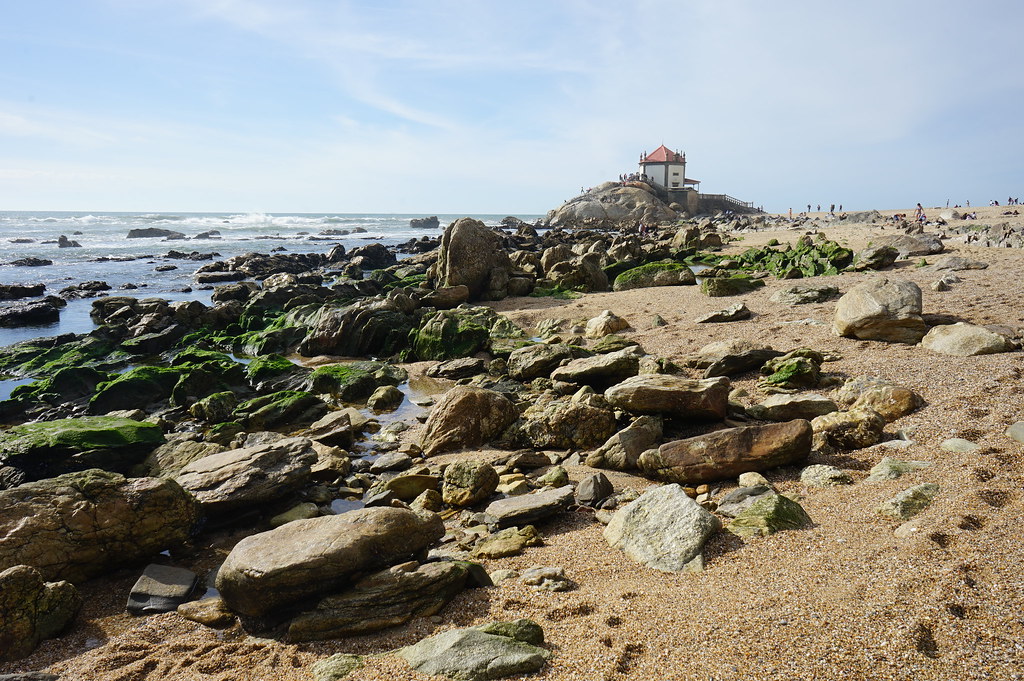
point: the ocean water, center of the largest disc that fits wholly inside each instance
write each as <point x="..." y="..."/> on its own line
<point x="107" y="255"/>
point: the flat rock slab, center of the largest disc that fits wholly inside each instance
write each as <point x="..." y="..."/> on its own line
<point x="727" y="453"/>
<point x="529" y="508"/>
<point x="685" y="398"/>
<point x="733" y="313"/>
<point x="161" y="588"/>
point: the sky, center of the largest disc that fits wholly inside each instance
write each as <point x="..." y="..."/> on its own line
<point x="479" y="106"/>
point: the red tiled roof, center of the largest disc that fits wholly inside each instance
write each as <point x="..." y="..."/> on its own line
<point x="663" y="155"/>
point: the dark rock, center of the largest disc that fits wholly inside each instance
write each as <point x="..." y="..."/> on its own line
<point x="161" y="588"/>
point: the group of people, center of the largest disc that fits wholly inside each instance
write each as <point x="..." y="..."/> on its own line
<point x="1009" y="202"/>
<point x="634" y="177"/>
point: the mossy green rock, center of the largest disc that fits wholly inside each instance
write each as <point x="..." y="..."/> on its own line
<point x="345" y="381"/>
<point x="268" y="366"/>
<point x="654" y="274"/>
<point x="66" y="384"/>
<point x="216" y="407"/>
<point x="70" y="436"/>
<point x="448" y="334"/>
<point x="336" y="667"/>
<point x="795" y="372"/>
<point x="766" y="516"/>
<point x="280" y="409"/>
<point x="134" y="389"/>
<point x="718" y="287"/>
<point x="45" y="356"/>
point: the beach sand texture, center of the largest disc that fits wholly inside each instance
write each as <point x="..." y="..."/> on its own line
<point x="844" y="599"/>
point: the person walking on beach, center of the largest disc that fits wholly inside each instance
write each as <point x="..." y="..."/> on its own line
<point x="832" y="209"/>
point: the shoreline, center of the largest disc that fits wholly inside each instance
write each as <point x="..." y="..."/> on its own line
<point x="844" y="599"/>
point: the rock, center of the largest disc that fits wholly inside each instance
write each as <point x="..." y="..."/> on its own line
<point x="18" y="291"/>
<point x="663" y="529"/>
<point x="472" y="255"/>
<point x="1015" y="431"/>
<point x="533" y="361"/>
<point x="446" y="297"/>
<point x="210" y="612"/>
<point x="468" y="482"/>
<point x="547" y="579"/>
<point x="336" y="667"/>
<point x="727" y="358"/>
<point x="32" y="610"/>
<point x="472" y="655"/>
<point x="425" y="223"/>
<point x="594" y="489"/>
<point x="769" y="514"/>
<point x="161" y="588"/>
<point x="391" y="461"/>
<point x="752" y="479"/>
<point x="454" y="369"/>
<point x="965" y="340"/>
<point x="717" y="287"/>
<point x="336" y="429"/>
<point x="285" y="408"/>
<point x="891" y="401"/>
<point x="956" y="263"/>
<point x="612" y="202"/>
<point x="30" y="314"/>
<point x="320" y="555"/>
<point x="568" y="425"/>
<point x="804" y="293"/>
<point x="385" y="599"/>
<point x="81" y="525"/>
<point x="876" y="257"/>
<point x="727" y="453"/>
<point x="741" y="498"/>
<point x="508" y="542"/>
<point x="890" y="469"/>
<point x="556" y="476"/>
<point x="654" y="274"/>
<point x="153" y="233"/>
<point x="169" y="458"/>
<point x="673" y="396"/>
<point x="601" y="371"/>
<point x="733" y="313"/>
<point x="372" y="256"/>
<point x="881" y="309"/>
<point x="909" y="502"/>
<point x="959" y="445"/>
<point x="385" y="398"/>
<point x="909" y="246"/>
<point x="821" y="475"/>
<point x="853" y="429"/>
<point x="605" y="323"/>
<point x="248" y="477"/>
<point x="790" y="407"/>
<point x="466" y="417"/>
<point x="622" y="450"/>
<point x="524" y="630"/>
<point x="47" y="448"/>
<point x="529" y="508"/>
<point x="409" y="486"/>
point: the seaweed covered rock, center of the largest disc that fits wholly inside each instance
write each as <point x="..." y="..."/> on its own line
<point x="654" y="274"/>
<point x="45" y="448"/>
<point x="717" y="287"/>
<point x="135" y="388"/>
<point x="768" y="514"/>
<point x="449" y="334"/>
<point x="374" y="327"/>
<point x="344" y="381"/>
<point x="806" y="258"/>
<point x="279" y="409"/>
<point x="80" y="525"/>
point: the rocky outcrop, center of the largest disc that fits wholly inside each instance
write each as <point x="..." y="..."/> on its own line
<point x="472" y="255"/>
<point x="466" y="417"/>
<point x="881" y="309"/>
<point x="304" y="558"/>
<point x="540" y="359"/>
<point x="727" y="453"/>
<point x="80" y="525"/>
<point x="654" y="274"/>
<point x="663" y="529"/>
<point x="32" y="610"/>
<point x="612" y="203"/>
<point x="243" y="478"/>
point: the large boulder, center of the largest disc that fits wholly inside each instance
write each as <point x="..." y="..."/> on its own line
<point x="655" y="274"/>
<point x="468" y="482"/>
<point x="674" y="396"/>
<point x="47" y="448"/>
<point x="614" y="203"/>
<point x="663" y="529"/>
<point x="368" y="327"/>
<point x="248" y="477"/>
<point x="908" y="245"/>
<point x="387" y="598"/>
<point x="466" y="417"/>
<point x="473" y="255"/>
<point x="305" y="558"/>
<point x="881" y="309"/>
<point x="888" y="399"/>
<point x="855" y="428"/>
<point x="727" y="453"/>
<point x="80" y="525"/>
<point x="965" y="340"/>
<point x="32" y="610"/>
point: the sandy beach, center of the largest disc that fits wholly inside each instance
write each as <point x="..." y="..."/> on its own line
<point x="844" y="599"/>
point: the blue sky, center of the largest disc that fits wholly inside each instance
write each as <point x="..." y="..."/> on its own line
<point x="503" y="107"/>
